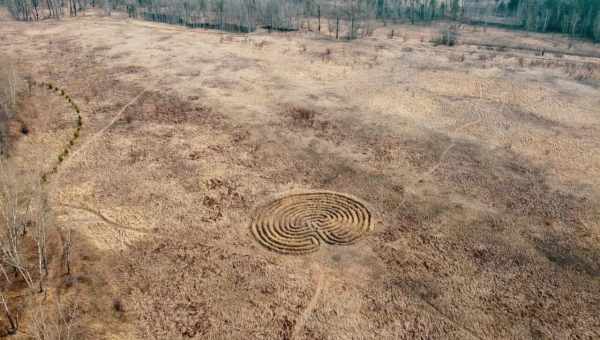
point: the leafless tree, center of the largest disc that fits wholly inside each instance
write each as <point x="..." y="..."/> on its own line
<point x="14" y="209"/>
<point x="67" y="240"/>
<point x="58" y="322"/>
<point x="9" y="83"/>
<point x="39" y="216"/>
<point x="13" y="321"/>
<point x="3" y="131"/>
<point x="108" y="7"/>
<point x="54" y="8"/>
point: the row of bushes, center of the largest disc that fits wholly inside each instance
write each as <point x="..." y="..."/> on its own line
<point x="66" y="150"/>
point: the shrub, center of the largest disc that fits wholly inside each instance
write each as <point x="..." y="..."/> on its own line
<point x="447" y="36"/>
<point x="459" y="58"/>
<point x="326" y="56"/>
<point x="302" y="116"/>
<point x="579" y="72"/>
<point x="118" y="305"/>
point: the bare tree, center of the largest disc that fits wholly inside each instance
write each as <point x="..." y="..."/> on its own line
<point x="3" y="131"/>
<point x="54" y="323"/>
<point x="9" y="83"/>
<point x="39" y="217"/>
<point x="108" y="7"/>
<point x="12" y="320"/>
<point x="67" y="240"/>
<point x="14" y="207"/>
<point x="54" y="8"/>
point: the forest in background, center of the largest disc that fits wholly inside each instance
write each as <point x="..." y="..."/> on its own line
<point x="355" y="18"/>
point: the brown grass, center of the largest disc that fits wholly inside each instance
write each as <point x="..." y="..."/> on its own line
<point x="482" y="174"/>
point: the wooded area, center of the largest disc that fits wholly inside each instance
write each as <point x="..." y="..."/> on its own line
<point x="579" y="18"/>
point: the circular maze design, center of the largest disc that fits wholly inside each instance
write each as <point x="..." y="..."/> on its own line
<point x="301" y="223"/>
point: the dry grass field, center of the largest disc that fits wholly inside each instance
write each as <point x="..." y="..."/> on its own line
<point x="480" y="168"/>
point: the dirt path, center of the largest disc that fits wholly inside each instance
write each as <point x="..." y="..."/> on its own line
<point x="438" y="311"/>
<point x="111" y="123"/>
<point x="103" y="218"/>
<point x="321" y="282"/>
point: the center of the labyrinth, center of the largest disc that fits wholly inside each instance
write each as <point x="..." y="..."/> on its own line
<point x="300" y="223"/>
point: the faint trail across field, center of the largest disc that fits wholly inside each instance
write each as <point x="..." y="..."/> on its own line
<point x="321" y="282"/>
<point x="449" y="319"/>
<point x="103" y="218"/>
<point x="453" y="144"/>
<point x="111" y="123"/>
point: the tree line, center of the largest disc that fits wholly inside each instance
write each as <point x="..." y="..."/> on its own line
<point x="574" y="17"/>
<point x="344" y="18"/>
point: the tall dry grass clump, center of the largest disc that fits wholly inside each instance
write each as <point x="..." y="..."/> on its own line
<point x="9" y="85"/>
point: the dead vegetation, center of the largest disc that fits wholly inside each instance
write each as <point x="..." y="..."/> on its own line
<point x="29" y="255"/>
<point x="301" y="116"/>
<point x="478" y="165"/>
<point x="9" y="84"/>
<point x="447" y="36"/>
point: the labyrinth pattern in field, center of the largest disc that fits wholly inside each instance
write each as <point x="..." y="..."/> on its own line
<point x="301" y="223"/>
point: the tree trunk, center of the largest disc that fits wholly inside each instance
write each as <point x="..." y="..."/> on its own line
<point x="319" y="14"/>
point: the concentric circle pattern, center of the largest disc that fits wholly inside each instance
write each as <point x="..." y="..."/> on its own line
<point x="300" y="223"/>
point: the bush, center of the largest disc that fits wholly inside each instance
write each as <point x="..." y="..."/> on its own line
<point x="447" y="36"/>
<point x="458" y="58"/>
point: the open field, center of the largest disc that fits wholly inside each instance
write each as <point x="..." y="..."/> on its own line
<point x="477" y="169"/>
